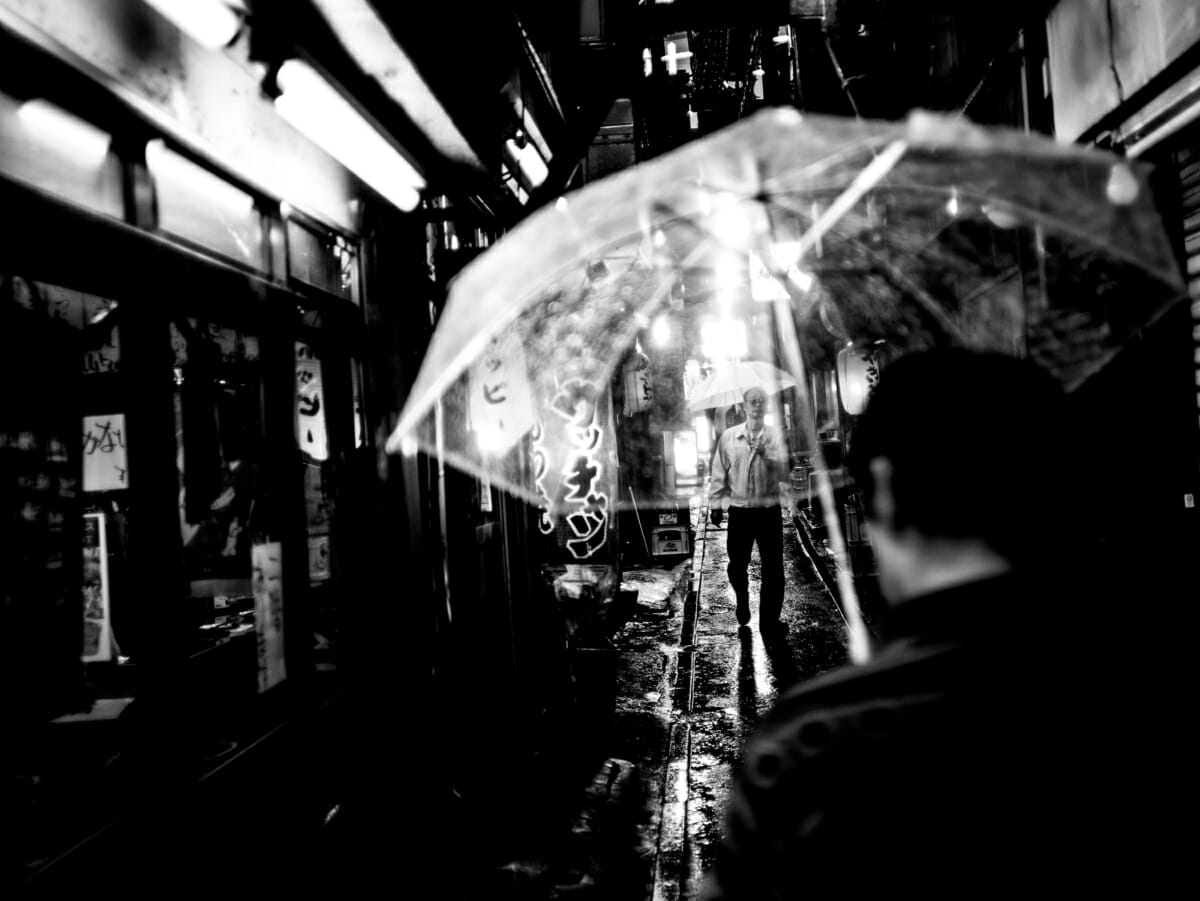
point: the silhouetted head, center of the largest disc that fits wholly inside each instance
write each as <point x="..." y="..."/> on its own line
<point x="966" y="445"/>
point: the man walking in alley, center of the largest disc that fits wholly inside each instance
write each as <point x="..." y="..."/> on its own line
<point x="750" y="461"/>
<point x="1005" y="738"/>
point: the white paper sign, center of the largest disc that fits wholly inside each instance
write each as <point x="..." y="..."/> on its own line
<point x="310" y="404"/>
<point x="105" y="467"/>
<point x="501" y="405"/>
<point x="267" y="562"/>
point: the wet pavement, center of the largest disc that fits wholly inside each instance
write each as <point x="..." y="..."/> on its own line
<point x="736" y="677"/>
<point x="690" y="688"/>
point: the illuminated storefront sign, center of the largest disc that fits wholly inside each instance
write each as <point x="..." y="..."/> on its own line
<point x="573" y="469"/>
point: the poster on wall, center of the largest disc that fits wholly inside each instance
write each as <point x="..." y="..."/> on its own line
<point x="318" y="558"/>
<point x="310" y="404"/>
<point x="267" y="562"/>
<point x="105" y="466"/>
<point x="97" y="621"/>
<point x="501" y="401"/>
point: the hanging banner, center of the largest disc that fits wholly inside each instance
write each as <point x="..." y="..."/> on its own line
<point x="575" y="471"/>
<point x="97" y="621"/>
<point x="310" y="404"/>
<point x="501" y="402"/>
<point x="105" y="467"/>
<point x="267" y="563"/>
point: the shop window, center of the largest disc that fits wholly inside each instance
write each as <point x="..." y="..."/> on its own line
<point x="68" y="579"/>
<point x="201" y="207"/>
<point x="104" y="466"/>
<point x="51" y="149"/>
<point x="322" y="259"/>
<point x="231" y="565"/>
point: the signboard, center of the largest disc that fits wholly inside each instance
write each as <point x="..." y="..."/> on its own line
<point x="574" y="467"/>
<point x="97" y="619"/>
<point x="267" y="562"/>
<point x="105" y="467"/>
<point x="310" y="404"/>
<point x="318" y="558"/>
<point x="501" y="402"/>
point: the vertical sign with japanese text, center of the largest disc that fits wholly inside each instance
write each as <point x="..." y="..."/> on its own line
<point x="105" y="467"/>
<point x="501" y="401"/>
<point x="575" y="469"/>
<point x="267" y="562"/>
<point x="310" y="400"/>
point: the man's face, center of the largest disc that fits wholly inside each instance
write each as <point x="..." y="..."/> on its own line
<point x="756" y="406"/>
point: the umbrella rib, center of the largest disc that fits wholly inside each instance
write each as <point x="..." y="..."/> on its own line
<point x="867" y="179"/>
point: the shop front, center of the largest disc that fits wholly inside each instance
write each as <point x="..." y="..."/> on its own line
<point x="1131" y="82"/>
<point x="183" y="458"/>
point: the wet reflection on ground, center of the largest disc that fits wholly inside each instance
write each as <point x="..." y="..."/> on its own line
<point x="690" y="688"/>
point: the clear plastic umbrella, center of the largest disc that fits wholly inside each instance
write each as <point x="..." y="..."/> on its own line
<point x="727" y="385"/>
<point x="791" y="240"/>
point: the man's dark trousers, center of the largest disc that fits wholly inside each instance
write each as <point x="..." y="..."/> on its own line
<point x="764" y="525"/>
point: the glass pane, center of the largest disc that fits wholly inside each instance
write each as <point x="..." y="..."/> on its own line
<point x="69" y="590"/>
<point x="319" y="481"/>
<point x="195" y="204"/>
<point x="323" y="260"/>
<point x="233" y="582"/>
<point x="319" y="504"/>
<point x="51" y="149"/>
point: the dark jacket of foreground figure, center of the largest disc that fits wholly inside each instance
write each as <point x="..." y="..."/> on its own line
<point x="988" y="747"/>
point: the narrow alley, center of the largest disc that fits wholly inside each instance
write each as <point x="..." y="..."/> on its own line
<point x="691" y="685"/>
<point x="375" y="365"/>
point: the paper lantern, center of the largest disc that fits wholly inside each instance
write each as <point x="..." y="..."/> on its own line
<point x="857" y="371"/>
<point x="639" y="389"/>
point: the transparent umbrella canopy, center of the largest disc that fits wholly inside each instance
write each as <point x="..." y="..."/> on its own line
<point x="728" y="384"/>
<point x="790" y="240"/>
